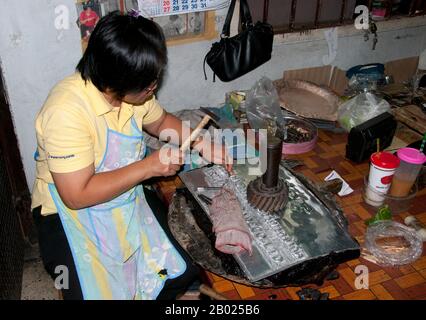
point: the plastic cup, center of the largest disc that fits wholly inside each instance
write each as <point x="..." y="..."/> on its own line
<point x="382" y="168"/>
<point x="404" y="178"/>
<point x="395" y="204"/>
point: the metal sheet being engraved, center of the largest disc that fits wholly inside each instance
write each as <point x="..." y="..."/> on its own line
<point x="304" y="230"/>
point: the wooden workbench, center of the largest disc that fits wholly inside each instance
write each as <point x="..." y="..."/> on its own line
<point x="407" y="282"/>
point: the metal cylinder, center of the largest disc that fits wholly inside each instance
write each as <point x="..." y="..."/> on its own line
<point x="274" y="152"/>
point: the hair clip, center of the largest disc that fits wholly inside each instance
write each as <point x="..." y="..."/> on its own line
<point x="134" y="13"/>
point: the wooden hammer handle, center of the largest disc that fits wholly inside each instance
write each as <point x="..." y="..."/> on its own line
<point x="194" y="133"/>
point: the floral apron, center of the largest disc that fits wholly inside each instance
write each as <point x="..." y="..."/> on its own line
<point x="119" y="248"/>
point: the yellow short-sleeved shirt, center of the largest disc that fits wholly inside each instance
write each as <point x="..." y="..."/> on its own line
<point x="71" y="131"/>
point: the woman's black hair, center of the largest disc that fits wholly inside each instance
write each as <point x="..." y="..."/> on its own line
<point x="125" y="54"/>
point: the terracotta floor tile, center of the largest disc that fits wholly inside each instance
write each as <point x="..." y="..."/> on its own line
<point x="349" y="277"/>
<point x="361" y="212"/>
<point x="360" y="295"/>
<point x="341" y="286"/>
<point x="331" y="290"/>
<point x="244" y="291"/>
<point x="310" y="163"/>
<point x="323" y="136"/>
<point x="381" y="293"/>
<point x="420" y="264"/>
<point x="378" y="277"/>
<point x="417" y="291"/>
<point x="372" y="267"/>
<point x="223" y="286"/>
<point x="309" y="174"/>
<point x="352" y="200"/>
<point x="393" y="272"/>
<point x="354" y="176"/>
<point x="421" y="217"/>
<point x="340" y="148"/>
<point x="216" y="277"/>
<point x="353" y="263"/>
<point x="292" y="292"/>
<point x="328" y="155"/>
<point x="325" y="146"/>
<point x="348" y="166"/>
<point x="407" y="269"/>
<point x="395" y="290"/>
<point x="410" y="280"/>
<point x="232" y="295"/>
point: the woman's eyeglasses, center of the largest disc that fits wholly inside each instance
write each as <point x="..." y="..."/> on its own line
<point x="151" y="87"/>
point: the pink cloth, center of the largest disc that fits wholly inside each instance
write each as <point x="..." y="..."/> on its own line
<point x="232" y="233"/>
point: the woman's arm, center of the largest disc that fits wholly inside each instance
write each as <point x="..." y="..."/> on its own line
<point x="167" y="121"/>
<point x="206" y="147"/>
<point x="85" y="188"/>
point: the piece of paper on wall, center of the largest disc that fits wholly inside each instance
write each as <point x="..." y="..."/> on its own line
<point x="156" y="8"/>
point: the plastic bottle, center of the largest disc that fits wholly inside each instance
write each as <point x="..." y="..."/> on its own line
<point x="411" y="162"/>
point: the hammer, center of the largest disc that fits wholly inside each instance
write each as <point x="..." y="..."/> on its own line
<point x="195" y="133"/>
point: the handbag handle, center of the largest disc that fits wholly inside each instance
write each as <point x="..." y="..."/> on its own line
<point x="245" y="14"/>
<point x="245" y="17"/>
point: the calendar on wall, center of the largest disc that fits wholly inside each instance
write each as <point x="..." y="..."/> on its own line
<point x="155" y="8"/>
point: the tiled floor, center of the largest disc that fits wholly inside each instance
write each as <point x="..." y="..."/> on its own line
<point x="406" y="282"/>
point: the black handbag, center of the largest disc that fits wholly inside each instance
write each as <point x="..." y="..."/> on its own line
<point x="235" y="56"/>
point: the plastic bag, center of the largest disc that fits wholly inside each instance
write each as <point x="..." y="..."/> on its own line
<point x="263" y="107"/>
<point x="361" y="108"/>
<point x="392" y="243"/>
<point x="361" y="83"/>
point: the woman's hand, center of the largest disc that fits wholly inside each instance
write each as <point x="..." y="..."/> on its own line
<point x="214" y="152"/>
<point x="164" y="162"/>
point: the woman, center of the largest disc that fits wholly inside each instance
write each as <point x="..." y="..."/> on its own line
<point x="88" y="19"/>
<point x="92" y="213"/>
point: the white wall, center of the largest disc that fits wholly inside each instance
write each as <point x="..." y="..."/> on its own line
<point x="185" y="85"/>
<point x="35" y="56"/>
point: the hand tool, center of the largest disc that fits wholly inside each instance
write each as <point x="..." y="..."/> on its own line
<point x="195" y="133"/>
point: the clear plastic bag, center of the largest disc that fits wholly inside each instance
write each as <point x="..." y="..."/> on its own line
<point x="392" y="243"/>
<point x="361" y="82"/>
<point x="263" y="107"/>
<point x="361" y="108"/>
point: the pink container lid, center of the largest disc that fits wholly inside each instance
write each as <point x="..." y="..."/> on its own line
<point x="411" y="155"/>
